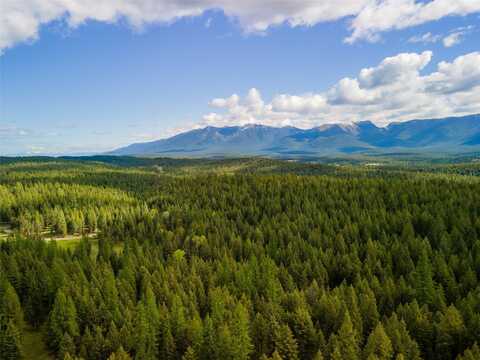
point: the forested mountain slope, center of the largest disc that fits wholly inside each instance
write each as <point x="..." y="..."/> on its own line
<point x="253" y="265"/>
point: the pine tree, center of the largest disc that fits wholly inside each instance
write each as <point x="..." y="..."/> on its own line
<point x="425" y="289"/>
<point x="378" y="344"/>
<point x="402" y="342"/>
<point x="336" y="353"/>
<point x="369" y="311"/>
<point x="62" y="320"/>
<point x="60" y="224"/>
<point x="305" y="333"/>
<point x="241" y="342"/>
<point x="120" y="354"/>
<point x="450" y="333"/>
<point x="113" y="338"/>
<point x="10" y="306"/>
<point x="318" y="356"/>
<point x="189" y="354"/>
<point x="168" y="348"/>
<point x="345" y="344"/>
<point x="471" y="354"/>
<point x="276" y="356"/>
<point x="67" y="346"/>
<point x="285" y="343"/>
<point x="209" y="348"/>
<point x="146" y="347"/>
<point x="10" y="342"/>
<point x="224" y="345"/>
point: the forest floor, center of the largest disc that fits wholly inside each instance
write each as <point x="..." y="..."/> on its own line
<point x="34" y="346"/>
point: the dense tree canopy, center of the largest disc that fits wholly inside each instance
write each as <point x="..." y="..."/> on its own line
<point x="251" y="266"/>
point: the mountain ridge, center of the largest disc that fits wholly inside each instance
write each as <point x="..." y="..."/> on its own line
<point x="450" y="135"/>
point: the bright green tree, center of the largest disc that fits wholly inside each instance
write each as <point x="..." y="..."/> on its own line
<point x="378" y="344"/>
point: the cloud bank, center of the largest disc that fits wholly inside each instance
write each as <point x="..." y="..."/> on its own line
<point x="20" y="20"/>
<point x="394" y="90"/>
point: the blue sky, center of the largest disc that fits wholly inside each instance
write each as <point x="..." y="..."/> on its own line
<point x="96" y="83"/>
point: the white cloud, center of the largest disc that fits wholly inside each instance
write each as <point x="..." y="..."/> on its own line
<point x="462" y="75"/>
<point x="348" y="91"/>
<point x="230" y="102"/>
<point x="394" y="90"/>
<point x="456" y="36"/>
<point x="20" y="20"/>
<point x="312" y="103"/>
<point x="394" y="69"/>
<point x="452" y="39"/>
<point x="384" y="15"/>
<point x="426" y="38"/>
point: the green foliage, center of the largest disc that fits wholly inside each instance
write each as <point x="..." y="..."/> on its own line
<point x="350" y="265"/>
<point x="470" y="354"/>
<point x="10" y="341"/>
<point x="378" y="344"/>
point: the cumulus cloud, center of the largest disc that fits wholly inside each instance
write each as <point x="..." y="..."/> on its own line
<point x="394" y="69"/>
<point x="230" y="102"/>
<point x="20" y="20"/>
<point x="312" y="103"/>
<point x="348" y="91"/>
<point x="394" y="90"/>
<point x="462" y="75"/>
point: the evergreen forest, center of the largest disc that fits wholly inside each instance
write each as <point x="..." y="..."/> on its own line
<point x="124" y="258"/>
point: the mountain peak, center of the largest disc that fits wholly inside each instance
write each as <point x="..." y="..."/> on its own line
<point x="458" y="135"/>
<point x="365" y="123"/>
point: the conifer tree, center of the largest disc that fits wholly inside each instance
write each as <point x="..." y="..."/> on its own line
<point x="285" y="343"/>
<point x="402" y="342"/>
<point x="471" y="354"/>
<point x="450" y="333"/>
<point x="67" y="346"/>
<point x="62" y="320"/>
<point x="318" y="356"/>
<point x="345" y="344"/>
<point x="10" y="308"/>
<point x="276" y="356"/>
<point x="241" y="342"/>
<point x="120" y="354"/>
<point x="146" y="346"/>
<point x="10" y="342"/>
<point x="425" y="289"/>
<point x="378" y="344"/>
<point x="189" y="354"/>
<point x="305" y="333"/>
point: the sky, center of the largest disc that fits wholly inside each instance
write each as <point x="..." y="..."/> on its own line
<point x="88" y="76"/>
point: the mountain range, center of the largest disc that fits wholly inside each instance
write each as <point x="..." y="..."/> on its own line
<point x="452" y="135"/>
